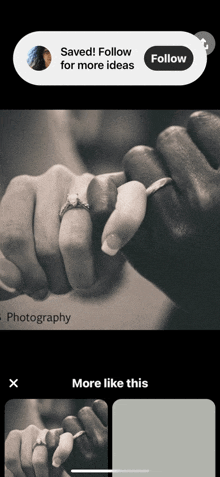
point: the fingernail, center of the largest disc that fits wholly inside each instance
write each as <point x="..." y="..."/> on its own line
<point x="112" y="244"/>
<point x="40" y="294"/>
<point x="56" y="462"/>
<point x="7" y="288"/>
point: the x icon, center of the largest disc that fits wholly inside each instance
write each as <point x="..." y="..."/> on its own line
<point x="13" y="383"/>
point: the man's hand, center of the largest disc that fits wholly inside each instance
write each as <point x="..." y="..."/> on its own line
<point x="177" y="246"/>
<point x="90" y="450"/>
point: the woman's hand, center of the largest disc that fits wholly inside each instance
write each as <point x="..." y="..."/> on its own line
<point x="23" y="458"/>
<point x="43" y="254"/>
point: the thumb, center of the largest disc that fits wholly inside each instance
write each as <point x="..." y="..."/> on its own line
<point x="127" y="217"/>
<point x="63" y="450"/>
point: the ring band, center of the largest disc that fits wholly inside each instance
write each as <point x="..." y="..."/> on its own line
<point x="78" y="434"/>
<point x="72" y="202"/>
<point x="157" y="185"/>
<point x="40" y="441"/>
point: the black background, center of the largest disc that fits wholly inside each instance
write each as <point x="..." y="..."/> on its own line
<point x="176" y="365"/>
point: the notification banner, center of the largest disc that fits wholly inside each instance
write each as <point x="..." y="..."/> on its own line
<point x="110" y="58"/>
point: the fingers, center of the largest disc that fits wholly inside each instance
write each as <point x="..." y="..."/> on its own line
<point x="101" y="410"/>
<point x="10" y="280"/>
<point x="12" y="453"/>
<point x="40" y="461"/>
<point x="71" y="424"/>
<point x="127" y="217"/>
<point x="97" y="435"/>
<point x="29" y="237"/>
<point x="90" y="448"/>
<point x="63" y="450"/>
<point x="143" y="164"/>
<point x="20" y="457"/>
<point x="52" y="438"/>
<point x="127" y="204"/>
<point x="44" y="255"/>
<point x="75" y="239"/>
<point x="204" y="129"/>
<point x="82" y="446"/>
<point x="52" y="189"/>
<point x="29" y="436"/>
<point x="187" y="165"/>
<point x="118" y="178"/>
<point x="102" y="195"/>
<point x="93" y="426"/>
<point x="16" y="234"/>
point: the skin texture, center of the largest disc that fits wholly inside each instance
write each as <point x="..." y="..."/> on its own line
<point x="177" y="245"/>
<point x="44" y="254"/>
<point x="89" y="450"/>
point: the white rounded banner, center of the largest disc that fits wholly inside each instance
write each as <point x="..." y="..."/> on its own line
<point x="112" y="58"/>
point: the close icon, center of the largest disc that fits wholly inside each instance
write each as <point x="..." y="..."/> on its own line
<point x="13" y="383"/>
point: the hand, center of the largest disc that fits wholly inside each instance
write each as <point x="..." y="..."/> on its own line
<point x="62" y="451"/>
<point x="41" y="254"/>
<point x="90" y="450"/>
<point x="22" y="459"/>
<point x="177" y="246"/>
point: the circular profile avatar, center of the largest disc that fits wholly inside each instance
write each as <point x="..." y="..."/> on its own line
<point x="39" y="58"/>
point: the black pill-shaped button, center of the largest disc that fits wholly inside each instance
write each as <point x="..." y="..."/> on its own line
<point x="161" y="58"/>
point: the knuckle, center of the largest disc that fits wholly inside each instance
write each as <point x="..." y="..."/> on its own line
<point x="88" y="176"/>
<point x="57" y="169"/>
<point x="21" y="181"/>
<point x="99" y="440"/>
<point x="170" y="133"/>
<point x="84" y="411"/>
<point x="26" y="466"/>
<point x="99" y="403"/>
<point x="88" y="456"/>
<point x="57" y="172"/>
<point x="56" y="177"/>
<point x="179" y="235"/>
<point x="12" y="240"/>
<point x="203" y="200"/>
<point x="11" y="463"/>
<point x="32" y="428"/>
<point x="135" y="151"/>
<point x="134" y="162"/>
<point x="37" y="462"/>
<point x="13" y="433"/>
<point x="67" y="246"/>
<point x="205" y="197"/>
<point x="47" y="250"/>
<point x="69" y="424"/>
<point x="199" y="117"/>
